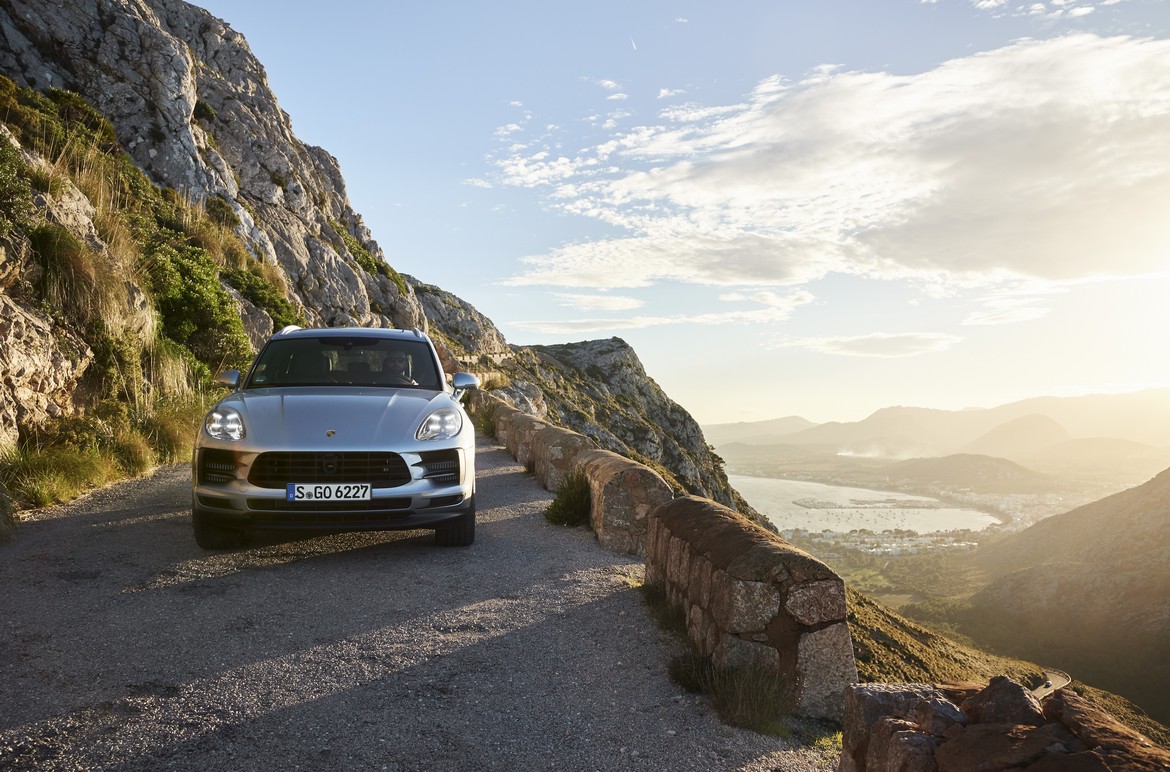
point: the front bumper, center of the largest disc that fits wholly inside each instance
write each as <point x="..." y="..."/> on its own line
<point x="246" y="490"/>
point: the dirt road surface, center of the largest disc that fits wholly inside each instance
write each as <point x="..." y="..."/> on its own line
<point x="124" y="646"/>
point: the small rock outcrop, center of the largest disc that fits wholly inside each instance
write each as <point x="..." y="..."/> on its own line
<point x="1000" y="726"/>
<point x="468" y="335"/>
<point x="599" y="389"/>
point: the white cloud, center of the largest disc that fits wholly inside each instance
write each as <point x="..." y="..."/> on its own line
<point x="1043" y="159"/>
<point x="609" y="85"/>
<point x="879" y="345"/>
<point x="618" y="96"/>
<point x="1020" y="303"/>
<point x="476" y="182"/>
<point x="598" y="302"/>
<point x="1005" y="315"/>
<point x="775" y="308"/>
<point x="666" y="93"/>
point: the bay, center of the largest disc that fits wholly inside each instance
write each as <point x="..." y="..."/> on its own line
<point x="842" y="509"/>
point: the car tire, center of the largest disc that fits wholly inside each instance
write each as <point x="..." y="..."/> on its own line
<point x="214" y="537"/>
<point x="460" y="533"/>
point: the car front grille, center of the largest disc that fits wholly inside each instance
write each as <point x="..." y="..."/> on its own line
<point x="278" y="469"/>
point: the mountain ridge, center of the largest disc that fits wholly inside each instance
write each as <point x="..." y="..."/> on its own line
<point x="1122" y="416"/>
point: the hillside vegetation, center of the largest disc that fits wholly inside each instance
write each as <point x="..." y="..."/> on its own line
<point x="890" y="648"/>
<point x="141" y="296"/>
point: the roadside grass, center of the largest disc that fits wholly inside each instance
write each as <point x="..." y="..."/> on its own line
<point x="572" y="502"/>
<point x="484" y="418"/>
<point x="38" y="477"/>
<point x="77" y="454"/>
<point x="8" y="521"/>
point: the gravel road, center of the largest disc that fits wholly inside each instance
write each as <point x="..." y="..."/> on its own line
<point x="125" y="646"/>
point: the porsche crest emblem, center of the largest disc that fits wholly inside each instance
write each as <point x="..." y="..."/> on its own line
<point x="329" y="432"/>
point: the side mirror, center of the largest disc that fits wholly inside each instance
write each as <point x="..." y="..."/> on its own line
<point x="461" y="383"/>
<point x="464" y="381"/>
<point x="229" y="378"/>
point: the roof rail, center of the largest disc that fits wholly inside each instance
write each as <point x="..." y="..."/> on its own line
<point x="290" y="328"/>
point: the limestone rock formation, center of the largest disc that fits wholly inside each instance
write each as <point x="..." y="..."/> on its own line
<point x="465" y="332"/>
<point x="600" y="389"/>
<point x="191" y="104"/>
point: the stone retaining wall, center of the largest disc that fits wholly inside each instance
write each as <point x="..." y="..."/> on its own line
<point x="750" y="598"/>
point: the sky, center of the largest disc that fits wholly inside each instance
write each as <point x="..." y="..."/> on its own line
<point x="799" y="207"/>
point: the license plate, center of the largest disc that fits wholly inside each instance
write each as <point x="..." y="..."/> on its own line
<point x="328" y="492"/>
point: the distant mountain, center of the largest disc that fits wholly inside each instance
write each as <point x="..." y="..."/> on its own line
<point x="1139" y="416"/>
<point x="755" y="432"/>
<point x="983" y="473"/>
<point x="1098" y="456"/>
<point x="1021" y="435"/>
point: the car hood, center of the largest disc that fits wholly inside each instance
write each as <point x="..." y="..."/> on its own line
<point x="358" y="418"/>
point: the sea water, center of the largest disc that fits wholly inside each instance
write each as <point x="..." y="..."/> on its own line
<point x="818" y="507"/>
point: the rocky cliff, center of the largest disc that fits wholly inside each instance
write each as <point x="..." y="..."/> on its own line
<point x="189" y="105"/>
<point x="600" y="389"/>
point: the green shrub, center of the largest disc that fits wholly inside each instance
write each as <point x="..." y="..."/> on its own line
<point x="196" y="311"/>
<point x="219" y="210"/>
<point x="572" y="502"/>
<point x="263" y="294"/>
<point x="367" y="260"/>
<point x="484" y="418"/>
<point x="204" y="111"/>
<point x="15" y="190"/>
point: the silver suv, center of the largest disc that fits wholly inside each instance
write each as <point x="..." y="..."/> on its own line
<point x="340" y="429"/>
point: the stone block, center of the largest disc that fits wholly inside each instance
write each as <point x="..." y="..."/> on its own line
<point x="734" y="652"/>
<point x="825" y="667"/>
<point x="554" y="454"/>
<point x="817" y="602"/>
<point x="522" y="430"/>
<point x="624" y="494"/>
<point x="742" y="607"/>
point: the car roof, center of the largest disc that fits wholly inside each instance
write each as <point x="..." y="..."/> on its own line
<point x="349" y="332"/>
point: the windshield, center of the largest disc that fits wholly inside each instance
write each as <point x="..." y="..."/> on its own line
<point x="350" y="361"/>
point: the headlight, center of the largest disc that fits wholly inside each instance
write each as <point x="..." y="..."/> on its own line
<point x="224" y="424"/>
<point x="440" y="425"/>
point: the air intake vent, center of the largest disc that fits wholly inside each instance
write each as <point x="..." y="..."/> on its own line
<point x="216" y="466"/>
<point x="440" y="466"/>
